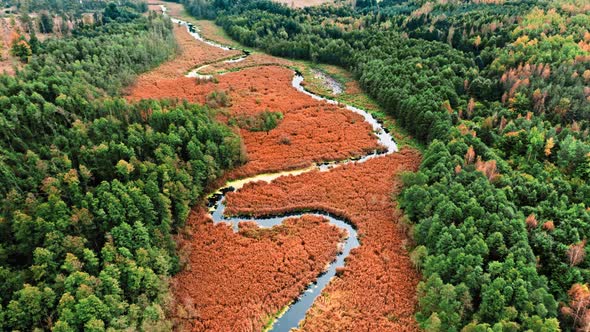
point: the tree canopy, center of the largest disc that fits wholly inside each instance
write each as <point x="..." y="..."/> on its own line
<point x="498" y="91"/>
<point x="93" y="187"/>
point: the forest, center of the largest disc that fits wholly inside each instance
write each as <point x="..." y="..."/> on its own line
<point x="93" y="187"/>
<point x="495" y="92"/>
<point x="70" y="7"/>
<point x="498" y="94"/>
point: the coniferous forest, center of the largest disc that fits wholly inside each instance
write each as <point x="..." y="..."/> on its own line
<point x="497" y="91"/>
<point x="496" y="94"/>
<point x="93" y="187"/>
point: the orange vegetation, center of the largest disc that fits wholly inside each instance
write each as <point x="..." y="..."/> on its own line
<point x="154" y="7"/>
<point x="531" y="221"/>
<point x="578" y="309"/>
<point x="233" y="282"/>
<point x="353" y="87"/>
<point x="311" y="131"/>
<point x="12" y="27"/>
<point x="236" y="280"/>
<point x="8" y="31"/>
<point x="254" y="60"/>
<point x="376" y="291"/>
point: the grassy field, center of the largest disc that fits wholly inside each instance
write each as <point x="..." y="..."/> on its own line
<point x="352" y="93"/>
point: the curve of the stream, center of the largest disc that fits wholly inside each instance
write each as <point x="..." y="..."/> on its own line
<point x="295" y="312"/>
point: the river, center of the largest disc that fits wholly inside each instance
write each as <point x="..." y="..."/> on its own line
<point x="296" y="311"/>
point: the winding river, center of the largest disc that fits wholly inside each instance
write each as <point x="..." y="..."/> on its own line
<point x="295" y="312"/>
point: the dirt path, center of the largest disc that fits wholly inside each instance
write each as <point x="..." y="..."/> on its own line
<point x="220" y="288"/>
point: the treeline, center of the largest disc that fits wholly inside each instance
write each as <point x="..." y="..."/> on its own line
<point x="94" y="187"/>
<point x="70" y="6"/>
<point x="530" y="141"/>
<point x="389" y="66"/>
<point x="61" y="17"/>
<point x="498" y="90"/>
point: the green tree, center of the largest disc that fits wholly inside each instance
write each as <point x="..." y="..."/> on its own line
<point x="45" y="23"/>
<point x="21" y="49"/>
<point x="30" y="308"/>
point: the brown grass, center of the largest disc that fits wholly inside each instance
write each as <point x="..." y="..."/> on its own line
<point x="317" y="131"/>
<point x="232" y="282"/>
<point x="376" y="291"/>
<point x="236" y="280"/>
<point x="254" y="60"/>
